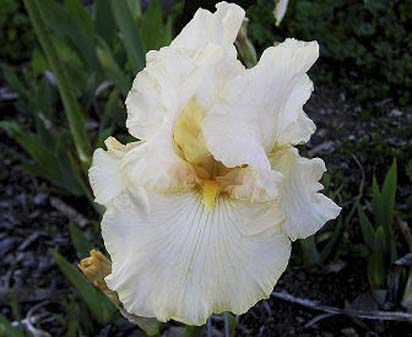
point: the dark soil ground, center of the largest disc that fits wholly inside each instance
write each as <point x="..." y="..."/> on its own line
<point x="30" y="226"/>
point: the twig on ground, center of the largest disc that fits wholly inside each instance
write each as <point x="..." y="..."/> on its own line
<point x="318" y="319"/>
<point x="32" y="319"/>
<point x="69" y="212"/>
<point x="323" y="146"/>
<point x="365" y="314"/>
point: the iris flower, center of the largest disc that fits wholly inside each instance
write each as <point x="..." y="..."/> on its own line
<point x="201" y="210"/>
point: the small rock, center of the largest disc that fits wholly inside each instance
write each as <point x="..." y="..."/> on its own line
<point x="395" y="113"/>
<point x="5" y="204"/>
<point x="40" y="199"/>
<point x="349" y="332"/>
<point x="8" y="244"/>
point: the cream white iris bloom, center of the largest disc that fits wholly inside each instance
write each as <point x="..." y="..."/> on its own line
<point x="200" y="213"/>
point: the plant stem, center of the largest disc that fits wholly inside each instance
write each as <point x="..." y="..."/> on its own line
<point x="209" y="327"/>
<point x="71" y="107"/>
<point x="310" y="251"/>
<point x="226" y="320"/>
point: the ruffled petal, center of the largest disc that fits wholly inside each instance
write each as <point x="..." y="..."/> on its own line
<point x="158" y="91"/>
<point x="267" y="100"/>
<point x="106" y="175"/>
<point x="156" y="163"/>
<point x="219" y="28"/>
<point x="284" y="88"/>
<point x="167" y="82"/>
<point x="305" y="209"/>
<point x="262" y="108"/>
<point x="245" y="184"/>
<point x="174" y="259"/>
<point x="236" y="143"/>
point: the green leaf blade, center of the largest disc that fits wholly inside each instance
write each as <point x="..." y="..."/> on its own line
<point x="130" y="34"/>
<point x="368" y="232"/>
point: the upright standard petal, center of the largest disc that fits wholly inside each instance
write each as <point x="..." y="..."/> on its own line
<point x="161" y="88"/>
<point x="237" y="143"/>
<point x="158" y="91"/>
<point x="219" y="28"/>
<point x="269" y="98"/>
<point x="263" y="108"/>
<point x="305" y="210"/>
<point x="177" y="80"/>
<point x="174" y="259"/>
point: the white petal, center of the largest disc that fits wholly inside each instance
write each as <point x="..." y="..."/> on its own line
<point x="214" y="81"/>
<point x="157" y="91"/>
<point x="267" y="101"/>
<point x="305" y="209"/>
<point x="166" y="84"/>
<point x="262" y="108"/>
<point x="173" y="259"/>
<point x="282" y="71"/>
<point x="219" y="28"/>
<point x="156" y="165"/>
<point x="106" y="176"/>
<point x="236" y="142"/>
<point x="175" y="76"/>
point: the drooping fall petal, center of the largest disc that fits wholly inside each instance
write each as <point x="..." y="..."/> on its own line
<point x="173" y="259"/>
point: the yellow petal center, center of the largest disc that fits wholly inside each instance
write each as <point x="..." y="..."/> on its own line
<point x="187" y="133"/>
<point x="211" y="189"/>
<point x="191" y="146"/>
